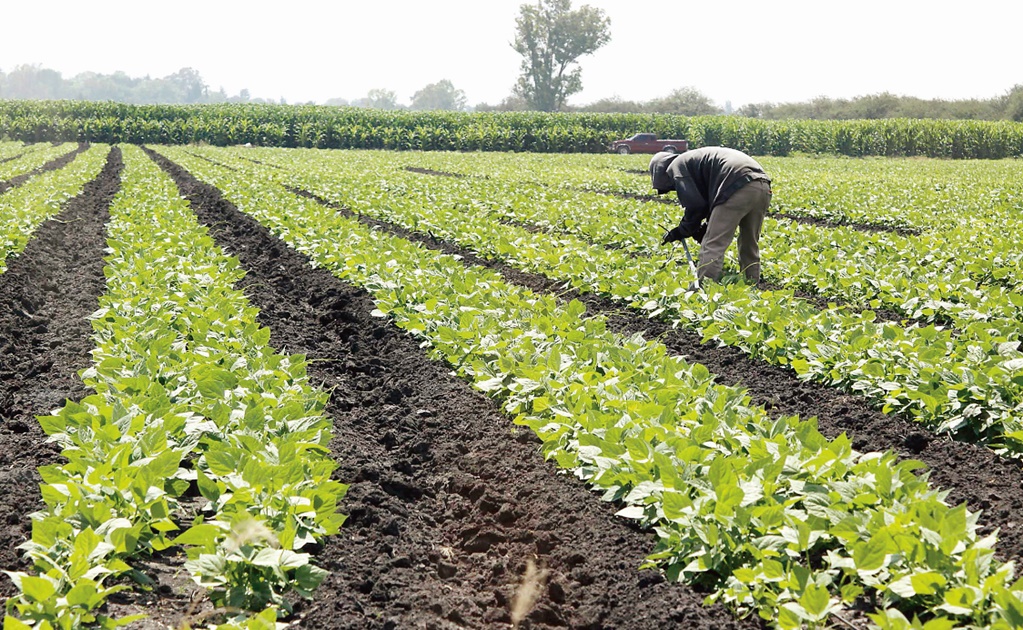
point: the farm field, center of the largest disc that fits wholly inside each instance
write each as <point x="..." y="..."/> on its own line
<point x="416" y="385"/>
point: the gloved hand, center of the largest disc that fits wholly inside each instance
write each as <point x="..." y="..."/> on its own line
<point x="700" y="233"/>
<point x="672" y="235"/>
<point x="676" y="234"/>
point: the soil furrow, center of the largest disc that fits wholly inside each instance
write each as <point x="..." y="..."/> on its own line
<point x="46" y="295"/>
<point x="971" y="472"/>
<point x="430" y="171"/>
<point x="261" y="163"/>
<point x="13" y="157"/>
<point x="448" y="501"/>
<point x="211" y="161"/>
<point x="859" y="227"/>
<point x="52" y="165"/>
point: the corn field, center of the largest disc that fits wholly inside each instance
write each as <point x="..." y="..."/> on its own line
<point x="324" y="127"/>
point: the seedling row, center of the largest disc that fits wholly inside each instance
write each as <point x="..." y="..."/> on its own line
<point x="771" y="516"/>
<point x="967" y="383"/>
<point x="644" y="426"/>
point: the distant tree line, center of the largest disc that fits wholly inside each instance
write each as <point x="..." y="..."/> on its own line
<point x="686" y="101"/>
<point x="442" y="95"/>
<point x="689" y="101"/>
<point x="1008" y="106"/>
<point x="186" y="86"/>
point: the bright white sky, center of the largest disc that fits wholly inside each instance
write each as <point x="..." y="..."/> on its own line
<point x="739" y="51"/>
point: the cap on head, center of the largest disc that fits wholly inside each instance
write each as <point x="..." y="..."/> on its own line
<point x="659" y="177"/>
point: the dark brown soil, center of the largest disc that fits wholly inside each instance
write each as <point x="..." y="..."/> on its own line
<point x="46" y="295"/>
<point x="971" y="472"/>
<point x="52" y="165"/>
<point x="13" y="157"/>
<point x="212" y="161"/>
<point x="448" y="500"/>
<point x="430" y="171"/>
<point x="260" y="162"/>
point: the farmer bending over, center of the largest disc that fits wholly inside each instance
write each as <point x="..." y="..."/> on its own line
<point x="721" y="189"/>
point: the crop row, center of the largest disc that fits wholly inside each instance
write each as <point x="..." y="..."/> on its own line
<point x="9" y="150"/>
<point x="923" y="194"/>
<point x="970" y="384"/>
<point x="972" y="208"/>
<point x="23" y="208"/>
<point x="189" y="397"/>
<point x="28" y="161"/>
<point x="767" y="512"/>
<point x="337" y="127"/>
<point x="972" y="211"/>
<point x="926" y="277"/>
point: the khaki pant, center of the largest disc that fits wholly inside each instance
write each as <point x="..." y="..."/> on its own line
<point x="745" y="210"/>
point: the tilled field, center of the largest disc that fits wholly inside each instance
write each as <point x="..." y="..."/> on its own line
<point x="45" y="297"/>
<point x="448" y="501"/>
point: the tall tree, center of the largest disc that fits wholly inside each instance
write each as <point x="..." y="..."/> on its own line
<point x="440" y="95"/>
<point x="551" y="37"/>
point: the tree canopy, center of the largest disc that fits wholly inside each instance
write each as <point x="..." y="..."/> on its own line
<point x="687" y="101"/>
<point x="551" y="37"/>
<point x="440" y="95"/>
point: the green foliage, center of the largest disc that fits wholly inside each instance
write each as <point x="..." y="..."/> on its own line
<point x="964" y="382"/>
<point x="885" y="105"/>
<point x="1014" y="104"/>
<point x="687" y="101"/>
<point x="245" y="567"/>
<point x="767" y="513"/>
<point x="551" y="37"/>
<point x="187" y="391"/>
<point x="25" y="159"/>
<point x="356" y="128"/>
<point x="24" y="208"/>
<point x="439" y="96"/>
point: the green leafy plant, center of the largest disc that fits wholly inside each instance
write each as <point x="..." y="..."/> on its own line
<point x="24" y="208"/>
<point x="963" y="383"/>
<point x="187" y="391"/>
<point x="767" y="513"/>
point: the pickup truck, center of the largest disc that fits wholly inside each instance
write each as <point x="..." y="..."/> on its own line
<point x="648" y="143"/>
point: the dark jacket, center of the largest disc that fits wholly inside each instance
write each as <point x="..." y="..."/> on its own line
<point x="703" y="178"/>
